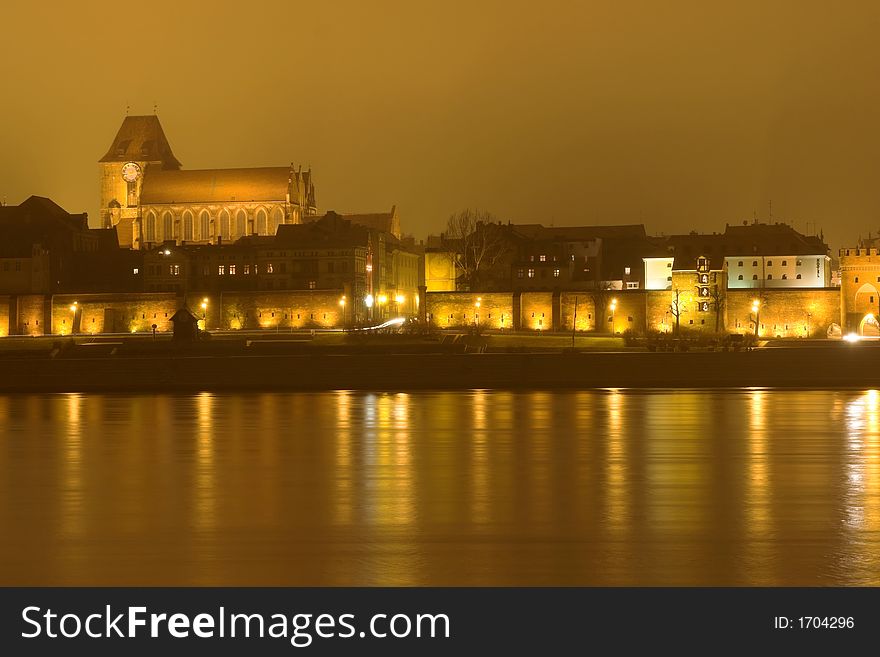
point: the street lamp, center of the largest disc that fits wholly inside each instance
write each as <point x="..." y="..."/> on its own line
<point x="342" y="305"/>
<point x="477" y="305"/>
<point x="399" y="299"/>
<point x="613" y="307"/>
<point x="756" y="311"/>
<point x="205" y="314"/>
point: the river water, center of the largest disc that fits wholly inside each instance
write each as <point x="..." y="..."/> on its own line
<point x="603" y="487"/>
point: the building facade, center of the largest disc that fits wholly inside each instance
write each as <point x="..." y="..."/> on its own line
<point x="150" y="199"/>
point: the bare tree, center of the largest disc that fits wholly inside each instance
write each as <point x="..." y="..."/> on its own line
<point x="602" y="296"/>
<point x="677" y="307"/>
<point x="475" y="242"/>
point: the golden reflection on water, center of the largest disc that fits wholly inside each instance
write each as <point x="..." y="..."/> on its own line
<point x="758" y="496"/>
<point x="475" y="487"/>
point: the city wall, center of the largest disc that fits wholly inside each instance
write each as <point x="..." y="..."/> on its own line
<point x="783" y="312"/>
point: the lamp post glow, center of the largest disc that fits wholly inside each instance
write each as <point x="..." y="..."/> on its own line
<point x="205" y="314"/>
<point x="613" y="307"/>
<point x="477" y="305"/>
<point x="342" y="306"/>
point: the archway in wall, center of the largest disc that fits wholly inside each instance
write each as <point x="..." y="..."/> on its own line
<point x="869" y="326"/>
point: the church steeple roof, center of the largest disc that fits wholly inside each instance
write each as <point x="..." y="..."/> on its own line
<point x="141" y="138"/>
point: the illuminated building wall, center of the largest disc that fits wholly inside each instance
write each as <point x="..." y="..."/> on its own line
<point x="30" y="314"/>
<point x="586" y="311"/>
<point x="439" y="272"/>
<point x="860" y="291"/>
<point x="113" y="313"/>
<point x="460" y="310"/>
<point x="536" y="311"/>
<point x="786" y="313"/>
<point x="279" y="310"/>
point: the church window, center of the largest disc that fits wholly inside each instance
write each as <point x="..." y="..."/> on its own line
<point x="132" y="194"/>
<point x="204" y="225"/>
<point x="262" y="223"/>
<point x="240" y="223"/>
<point x="187" y="226"/>
<point x="277" y="220"/>
<point x="150" y="228"/>
<point x="167" y="226"/>
<point x="224" y="224"/>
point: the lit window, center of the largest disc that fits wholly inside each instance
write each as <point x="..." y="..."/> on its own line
<point x="632" y="285"/>
<point x="135" y="270"/>
<point x="231" y="270"/>
<point x="626" y="271"/>
<point x="221" y="269"/>
<point x="555" y="273"/>
<point x="543" y="258"/>
<point x="269" y="268"/>
<point x="247" y="269"/>
<point x="532" y="274"/>
<point x="312" y="285"/>
<point x="520" y="273"/>
<point x="174" y="270"/>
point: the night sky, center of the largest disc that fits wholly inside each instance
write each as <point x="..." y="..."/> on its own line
<point x="679" y="115"/>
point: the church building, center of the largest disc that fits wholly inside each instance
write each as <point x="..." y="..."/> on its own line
<point x="151" y="200"/>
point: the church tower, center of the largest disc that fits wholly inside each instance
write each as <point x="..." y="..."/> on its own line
<point x="140" y="146"/>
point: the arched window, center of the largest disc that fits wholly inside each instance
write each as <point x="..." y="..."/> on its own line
<point x="799" y="277"/>
<point x="785" y="277"/>
<point x="224" y="225"/>
<point x="277" y="220"/>
<point x="204" y="225"/>
<point x="187" y="226"/>
<point x="150" y="227"/>
<point x="769" y="277"/>
<point x="740" y="277"/>
<point x="240" y="223"/>
<point x="754" y="277"/>
<point x="262" y="222"/>
<point x="167" y="226"/>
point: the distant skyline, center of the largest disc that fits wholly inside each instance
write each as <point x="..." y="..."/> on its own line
<point x="682" y="115"/>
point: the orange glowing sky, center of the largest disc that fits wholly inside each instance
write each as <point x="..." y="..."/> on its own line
<point x="680" y="115"/>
